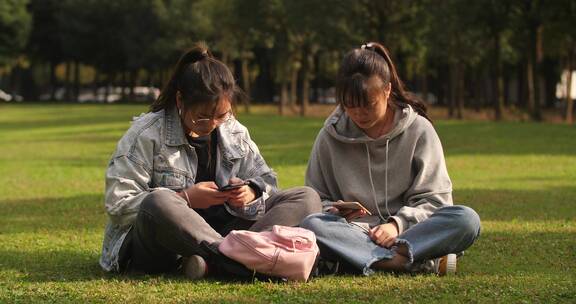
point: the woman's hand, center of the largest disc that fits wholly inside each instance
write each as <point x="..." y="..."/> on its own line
<point x="204" y="195"/>
<point x="240" y="196"/>
<point x="348" y="213"/>
<point x="384" y="235"/>
<point x="352" y="214"/>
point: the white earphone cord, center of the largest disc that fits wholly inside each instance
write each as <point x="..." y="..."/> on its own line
<point x="385" y="182"/>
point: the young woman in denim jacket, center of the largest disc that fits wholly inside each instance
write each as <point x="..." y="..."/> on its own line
<point x="162" y="182"/>
<point x="379" y="148"/>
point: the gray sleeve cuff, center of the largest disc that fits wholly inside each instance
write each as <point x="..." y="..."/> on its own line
<point x="326" y="204"/>
<point x="402" y="224"/>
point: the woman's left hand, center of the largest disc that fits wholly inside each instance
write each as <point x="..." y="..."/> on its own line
<point x="384" y="235"/>
<point x="241" y="196"/>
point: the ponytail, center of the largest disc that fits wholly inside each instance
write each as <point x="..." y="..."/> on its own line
<point x="399" y="93"/>
<point x="199" y="78"/>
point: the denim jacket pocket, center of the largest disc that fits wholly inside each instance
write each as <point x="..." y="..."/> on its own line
<point x="169" y="178"/>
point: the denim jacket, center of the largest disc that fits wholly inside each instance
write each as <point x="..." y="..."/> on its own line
<point x="154" y="154"/>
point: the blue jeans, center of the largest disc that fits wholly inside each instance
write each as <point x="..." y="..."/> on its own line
<point x="448" y="230"/>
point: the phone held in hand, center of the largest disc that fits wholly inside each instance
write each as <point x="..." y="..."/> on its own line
<point x="233" y="186"/>
<point x="341" y="205"/>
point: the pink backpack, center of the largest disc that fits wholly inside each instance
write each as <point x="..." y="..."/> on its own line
<point x="287" y="252"/>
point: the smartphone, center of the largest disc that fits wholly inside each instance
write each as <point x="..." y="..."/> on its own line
<point x="233" y="186"/>
<point x="340" y="205"/>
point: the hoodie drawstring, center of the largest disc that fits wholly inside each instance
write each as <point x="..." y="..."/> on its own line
<point x="385" y="181"/>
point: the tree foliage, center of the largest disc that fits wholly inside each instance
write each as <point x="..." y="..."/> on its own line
<point x="463" y="53"/>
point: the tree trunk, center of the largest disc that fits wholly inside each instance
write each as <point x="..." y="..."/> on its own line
<point x="316" y="81"/>
<point x="550" y="68"/>
<point x="442" y="84"/>
<point x="530" y="85"/>
<point x="262" y="88"/>
<point x="453" y="90"/>
<point x="424" y="83"/>
<point x="160" y="79"/>
<point x="540" y="88"/>
<point x="123" y="82"/>
<point x="306" y="76"/>
<point x="68" y="82"/>
<point x="76" y="81"/>
<point x="305" y="95"/>
<point x="522" y="97"/>
<point x="16" y="79"/>
<point x="506" y="78"/>
<point x="536" y="82"/>
<point x="226" y="59"/>
<point x="149" y="78"/>
<point x="294" y="89"/>
<point x="569" y="101"/>
<point x="246" y="83"/>
<point x="109" y="81"/>
<point x="53" y="81"/>
<point x="478" y="91"/>
<point x="95" y="85"/>
<point x="460" y="91"/>
<point x="132" y="82"/>
<point x="283" y="98"/>
<point x="498" y="85"/>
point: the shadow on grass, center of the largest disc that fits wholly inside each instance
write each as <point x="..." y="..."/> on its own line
<point x="458" y="138"/>
<point x="56" y="265"/>
<point x="52" y="214"/>
<point x="39" y="117"/>
<point x="87" y="211"/>
<point x="550" y="203"/>
<point x="64" y="121"/>
<point x="488" y="138"/>
<point x="495" y="253"/>
<point x="63" y="162"/>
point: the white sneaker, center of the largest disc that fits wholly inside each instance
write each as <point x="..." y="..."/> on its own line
<point x="194" y="267"/>
<point x="445" y="265"/>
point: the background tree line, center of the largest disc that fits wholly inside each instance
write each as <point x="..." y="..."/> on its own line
<point x="499" y="54"/>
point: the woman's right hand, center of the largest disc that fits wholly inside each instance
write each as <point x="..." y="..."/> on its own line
<point x="204" y="195"/>
<point x="348" y="214"/>
<point x="351" y="214"/>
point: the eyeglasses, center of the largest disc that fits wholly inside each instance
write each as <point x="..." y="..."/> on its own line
<point x="205" y="122"/>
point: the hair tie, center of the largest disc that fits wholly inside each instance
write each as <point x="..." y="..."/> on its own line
<point x="367" y="46"/>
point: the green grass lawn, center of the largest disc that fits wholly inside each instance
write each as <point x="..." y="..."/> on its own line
<point x="520" y="177"/>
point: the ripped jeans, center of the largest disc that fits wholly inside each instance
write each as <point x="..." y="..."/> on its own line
<point x="449" y="229"/>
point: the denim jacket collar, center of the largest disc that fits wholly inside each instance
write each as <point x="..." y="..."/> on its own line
<point x="174" y="131"/>
<point x="228" y="141"/>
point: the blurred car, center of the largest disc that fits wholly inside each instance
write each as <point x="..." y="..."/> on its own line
<point x="327" y="96"/>
<point x="430" y="98"/>
<point x="146" y="94"/>
<point x="10" y="97"/>
<point x="100" y="98"/>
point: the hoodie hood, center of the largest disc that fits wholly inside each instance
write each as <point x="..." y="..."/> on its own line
<point x="341" y="127"/>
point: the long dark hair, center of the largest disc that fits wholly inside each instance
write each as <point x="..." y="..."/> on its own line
<point x="200" y="78"/>
<point x="359" y="65"/>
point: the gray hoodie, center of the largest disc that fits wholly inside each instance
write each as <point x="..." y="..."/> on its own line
<point x="399" y="176"/>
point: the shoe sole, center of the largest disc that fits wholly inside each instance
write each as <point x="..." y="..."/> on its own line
<point x="447" y="265"/>
<point x="195" y="267"/>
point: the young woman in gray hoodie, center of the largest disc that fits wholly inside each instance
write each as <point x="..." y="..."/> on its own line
<point x="379" y="148"/>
